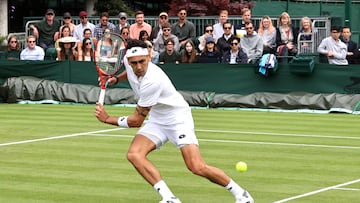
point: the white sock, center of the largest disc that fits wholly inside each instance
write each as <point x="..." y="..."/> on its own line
<point x="234" y="188"/>
<point x="163" y="190"/>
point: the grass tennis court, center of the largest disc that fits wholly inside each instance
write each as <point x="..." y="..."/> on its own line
<point x="61" y="153"/>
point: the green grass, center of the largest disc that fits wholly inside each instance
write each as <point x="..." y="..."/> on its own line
<point x="288" y="154"/>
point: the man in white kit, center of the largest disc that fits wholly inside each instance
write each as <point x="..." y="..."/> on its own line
<point x="170" y="119"/>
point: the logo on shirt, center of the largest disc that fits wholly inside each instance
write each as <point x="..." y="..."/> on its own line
<point x="182" y="136"/>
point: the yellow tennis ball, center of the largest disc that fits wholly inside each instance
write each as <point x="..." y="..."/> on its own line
<point x="241" y="166"/>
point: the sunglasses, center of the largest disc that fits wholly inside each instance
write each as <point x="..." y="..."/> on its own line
<point x="163" y="17"/>
<point x="31" y="41"/>
<point x="208" y="30"/>
<point x="122" y="18"/>
<point x="88" y="43"/>
<point x="134" y="63"/>
<point x="66" y="18"/>
<point x="49" y="14"/>
<point x="167" y="30"/>
<point x="84" y="17"/>
<point x="227" y="28"/>
<point x="184" y="14"/>
<point x="234" y="44"/>
<point x="13" y="41"/>
<point x="249" y="28"/>
<point x="125" y="33"/>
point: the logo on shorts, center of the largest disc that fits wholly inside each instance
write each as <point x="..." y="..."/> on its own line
<point x="182" y="136"/>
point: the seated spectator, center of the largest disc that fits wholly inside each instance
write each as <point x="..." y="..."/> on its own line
<point x="334" y="48"/>
<point x="251" y="44"/>
<point x="267" y="32"/>
<point x="159" y="42"/>
<point x="223" y="43"/>
<point x="352" y="49"/>
<point x="235" y="55"/>
<point x="208" y="32"/>
<point x="64" y="32"/>
<point x="13" y="49"/>
<point x="306" y="34"/>
<point x="104" y="24"/>
<point x="32" y="51"/>
<point x="210" y="53"/>
<point x="143" y="35"/>
<point x="139" y="25"/>
<point x="154" y="55"/>
<point x="170" y="55"/>
<point x="239" y="29"/>
<point x="122" y="22"/>
<point x="286" y="37"/>
<point x="86" y="34"/>
<point x="219" y="27"/>
<point x="125" y="33"/>
<point x="84" y="24"/>
<point x="106" y="44"/>
<point x="189" y="55"/>
<point x="183" y="29"/>
<point x="87" y="50"/>
<point x="67" y="50"/>
<point x="156" y="30"/>
<point x="67" y="21"/>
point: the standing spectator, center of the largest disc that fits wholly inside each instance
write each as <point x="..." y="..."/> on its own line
<point x="239" y="30"/>
<point x="139" y="25"/>
<point x="210" y="53"/>
<point x="334" y="48"/>
<point x="352" y="49"/>
<point x="87" y="50"/>
<point x="143" y="36"/>
<point x="218" y="27"/>
<point x="125" y="33"/>
<point x="159" y="42"/>
<point x="13" y="49"/>
<point x="67" y="50"/>
<point x="47" y="31"/>
<point x="122" y="22"/>
<point x="189" y="55"/>
<point x="84" y="24"/>
<point x="223" y="43"/>
<point x="169" y="55"/>
<point x="267" y="32"/>
<point x="157" y="30"/>
<point x="183" y="29"/>
<point x="104" y="24"/>
<point x="32" y="52"/>
<point x="286" y="36"/>
<point x="251" y="43"/>
<point x="67" y="21"/>
<point x="208" y="32"/>
<point x="235" y="55"/>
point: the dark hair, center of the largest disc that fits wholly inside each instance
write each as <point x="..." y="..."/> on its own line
<point x="17" y="44"/>
<point x="104" y="14"/>
<point x="166" y="25"/>
<point x="138" y="12"/>
<point x="135" y="43"/>
<point x="142" y="33"/>
<point x="169" y="40"/>
<point x="187" y="57"/>
<point x="208" y="25"/>
<point x="336" y="28"/>
<point x="227" y="22"/>
<point x="84" y="45"/>
<point x="233" y="38"/>
<point x="86" y="29"/>
<point x="62" y="30"/>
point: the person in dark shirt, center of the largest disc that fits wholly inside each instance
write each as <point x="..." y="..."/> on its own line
<point x="13" y="49"/>
<point x="353" y="52"/>
<point x="170" y="55"/>
<point x="210" y="54"/>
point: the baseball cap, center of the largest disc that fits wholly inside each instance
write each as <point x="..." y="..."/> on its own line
<point x="67" y="15"/>
<point x="50" y="11"/>
<point x="210" y="40"/>
<point x="163" y="14"/>
<point x="82" y="14"/>
<point x="122" y="15"/>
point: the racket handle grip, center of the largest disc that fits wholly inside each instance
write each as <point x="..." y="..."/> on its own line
<point x="102" y="96"/>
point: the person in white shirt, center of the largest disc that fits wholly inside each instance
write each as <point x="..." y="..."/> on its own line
<point x="32" y="51"/>
<point x="218" y="27"/>
<point x="170" y="119"/>
<point x="79" y="29"/>
<point x="334" y="48"/>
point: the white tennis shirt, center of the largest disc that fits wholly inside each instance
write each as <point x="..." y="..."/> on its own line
<point x="155" y="89"/>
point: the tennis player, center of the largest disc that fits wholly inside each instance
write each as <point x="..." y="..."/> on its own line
<point x="170" y="119"/>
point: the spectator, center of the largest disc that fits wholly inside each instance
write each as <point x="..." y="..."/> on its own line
<point x="170" y="55"/>
<point x="159" y="42"/>
<point x="306" y="35"/>
<point x="64" y="32"/>
<point x="88" y="34"/>
<point x="139" y="25"/>
<point x="84" y="24"/>
<point x="352" y="49"/>
<point x="157" y="30"/>
<point x="286" y="37"/>
<point x="251" y="44"/>
<point x="219" y="27"/>
<point x="32" y="52"/>
<point x="334" y="48"/>
<point x="189" y="55"/>
<point x="67" y="21"/>
<point x="67" y="50"/>
<point x="235" y="55"/>
<point x="47" y="30"/>
<point x="87" y="50"/>
<point x="210" y="53"/>
<point x="106" y="52"/>
<point x="208" y="32"/>
<point x="104" y="24"/>
<point x="122" y="23"/>
<point x="154" y="55"/>
<point x="143" y="35"/>
<point x="267" y="32"/>
<point x="223" y="43"/>
<point x="239" y="30"/>
<point x="183" y="29"/>
<point x="13" y="49"/>
<point x="125" y="33"/>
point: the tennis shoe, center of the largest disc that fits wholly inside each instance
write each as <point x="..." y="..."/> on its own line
<point x="245" y="198"/>
<point x="171" y="200"/>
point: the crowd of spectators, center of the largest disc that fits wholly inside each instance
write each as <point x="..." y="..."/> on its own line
<point x="221" y="42"/>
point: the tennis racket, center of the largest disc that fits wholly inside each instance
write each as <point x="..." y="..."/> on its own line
<point x="109" y="54"/>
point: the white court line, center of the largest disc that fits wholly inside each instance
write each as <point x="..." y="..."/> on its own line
<point x="279" y="134"/>
<point x="350" y="189"/>
<point x="318" y="191"/>
<point x="57" y="137"/>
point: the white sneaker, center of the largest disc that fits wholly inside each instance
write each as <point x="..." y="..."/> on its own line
<point x="245" y="198"/>
<point x="171" y="200"/>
